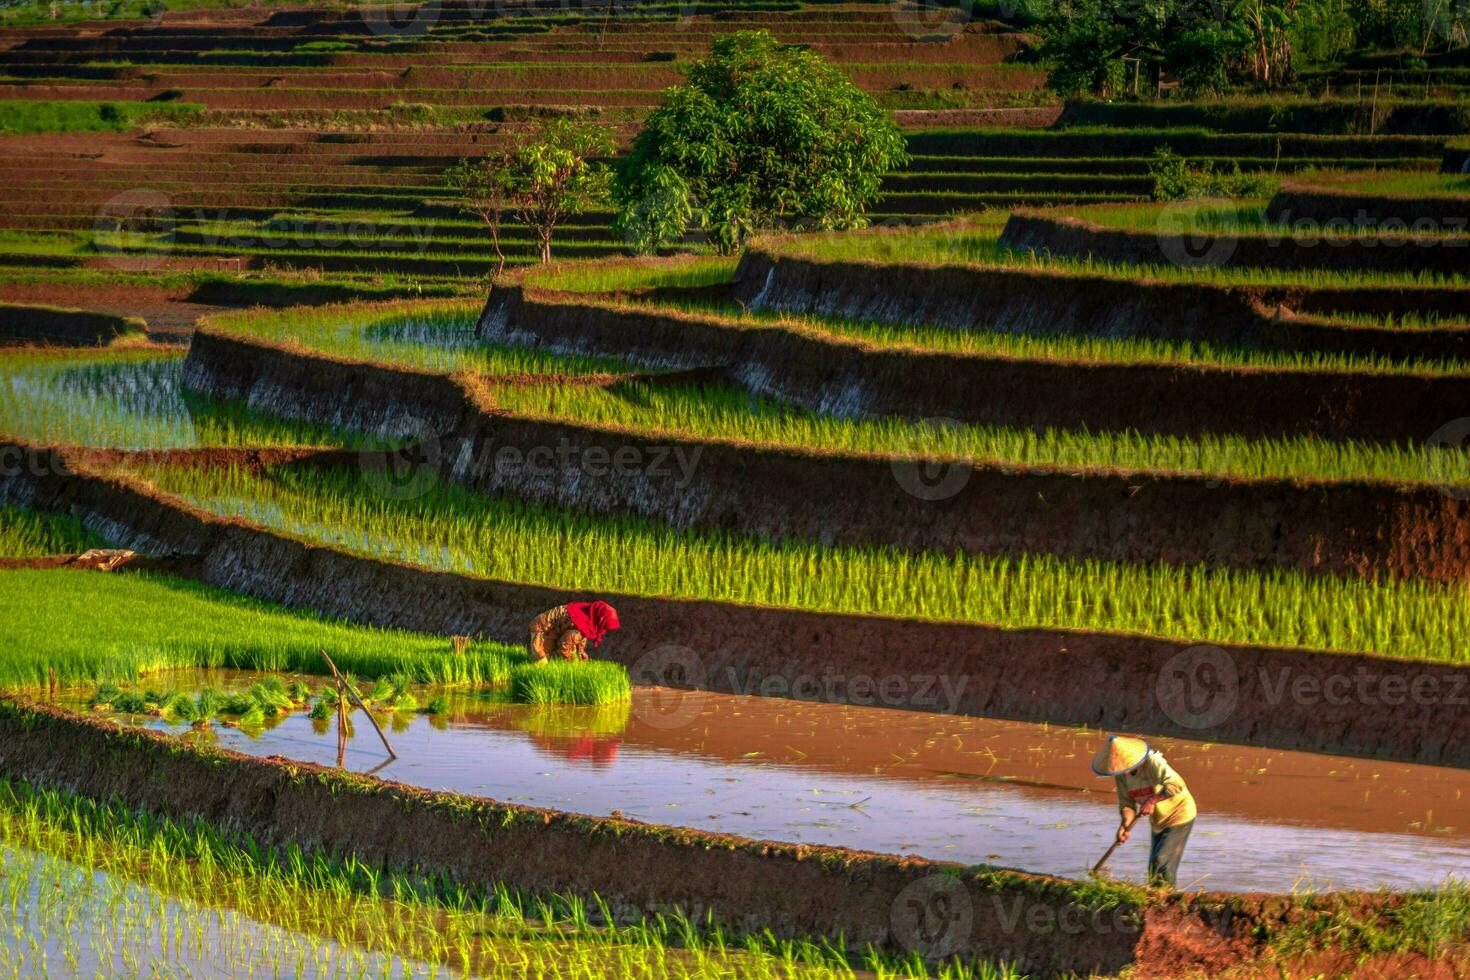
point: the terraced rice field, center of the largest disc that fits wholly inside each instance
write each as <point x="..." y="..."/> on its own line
<point x="1036" y="459"/>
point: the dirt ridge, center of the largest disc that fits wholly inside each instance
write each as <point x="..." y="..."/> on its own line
<point x="1047" y="926"/>
<point x="1039" y="302"/>
<point x="1336" y="528"/>
<point x="1066" y="237"/>
<point x="1115" y="681"/>
<point x="850" y="377"/>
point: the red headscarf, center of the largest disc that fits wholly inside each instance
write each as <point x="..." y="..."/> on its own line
<point x="593" y="619"/>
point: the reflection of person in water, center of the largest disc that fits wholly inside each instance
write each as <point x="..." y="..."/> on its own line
<point x="594" y="750"/>
<point x="566" y="630"/>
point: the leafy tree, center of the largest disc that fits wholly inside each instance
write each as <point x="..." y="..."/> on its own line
<point x="758" y="134"/>
<point x="485" y="190"/>
<point x="544" y="178"/>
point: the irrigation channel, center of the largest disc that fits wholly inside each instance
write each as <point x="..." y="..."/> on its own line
<point x="965" y="789"/>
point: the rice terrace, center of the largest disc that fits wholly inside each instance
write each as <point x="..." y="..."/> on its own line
<point x="735" y="488"/>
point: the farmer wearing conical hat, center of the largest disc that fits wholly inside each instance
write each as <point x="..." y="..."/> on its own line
<point x="566" y="630"/>
<point x="1148" y="787"/>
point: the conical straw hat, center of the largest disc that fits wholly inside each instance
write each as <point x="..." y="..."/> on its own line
<point x="1119" y="754"/>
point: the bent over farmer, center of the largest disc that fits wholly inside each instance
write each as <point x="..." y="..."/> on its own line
<point x="566" y="630"/>
<point x="1148" y="787"/>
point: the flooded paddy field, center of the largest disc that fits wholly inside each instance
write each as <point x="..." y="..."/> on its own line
<point x="949" y="788"/>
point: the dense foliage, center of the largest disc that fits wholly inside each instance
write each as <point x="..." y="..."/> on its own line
<point x="1116" y="47"/>
<point x="759" y="135"/>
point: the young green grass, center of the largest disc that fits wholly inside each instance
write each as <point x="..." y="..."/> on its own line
<point x="33" y="534"/>
<point x="1067" y="347"/>
<point x="570" y="682"/>
<point x="975" y="241"/>
<point x="131" y="625"/>
<point x="724" y="412"/>
<point x="141" y="887"/>
<point x="453" y="529"/>
<point x="433" y="336"/>
<point x="94" y="627"/>
<point x="130" y="399"/>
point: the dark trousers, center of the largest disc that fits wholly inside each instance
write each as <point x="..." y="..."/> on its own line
<point x="1165" y="853"/>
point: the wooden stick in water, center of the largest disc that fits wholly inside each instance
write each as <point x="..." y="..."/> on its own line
<point x="358" y="702"/>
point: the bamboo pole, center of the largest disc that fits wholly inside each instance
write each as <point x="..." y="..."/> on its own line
<point x="358" y="702"/>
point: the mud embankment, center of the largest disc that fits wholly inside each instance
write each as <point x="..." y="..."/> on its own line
<point x="1047" y="926"/>
<point x="1279" y="698"/>
<point x="848" y="377"/>
<point x="1343" y="209"/>
<point x="1042" y="303"/>
<point x="1288" y="249"/>
<point x="910" y="504"/>
<point x="69" y="328"/>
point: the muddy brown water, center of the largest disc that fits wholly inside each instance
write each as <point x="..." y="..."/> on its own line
<point x="965" y="789"/>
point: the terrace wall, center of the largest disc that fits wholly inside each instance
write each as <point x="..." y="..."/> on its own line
<point x="71" y="328"/>
<point x="1348" y="210"/>
<point x="1062" y="237"/>
<point x="1339" y="528"/>
<point x="1040" y="303"/>
<point x="1113" y="681"/>
<point x="796" y="891"/>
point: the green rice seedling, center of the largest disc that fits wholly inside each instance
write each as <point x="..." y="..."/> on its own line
<point x="299" y="693"/>
<point x="382" y="690"/>
<point x="204" y="888"/>
<point x="1073" y="348"/>
<point x="103" y="696"/>
<point x="129" y="703"/>
<point x="404" y="701"/>
<point x="29" y="534"/>
<point x="454" y="529"/>
<point x="270" y="698"/>
<point x="181" y="708"/>
<point x="130" y="399"/>
<point x="570" y="682"/>
<point x="727" y="413"/>
<point x="209" y="702"/>
<point x="438" y="705"/>
<point x="435" y="336"/>
<point x="116" y="628"/>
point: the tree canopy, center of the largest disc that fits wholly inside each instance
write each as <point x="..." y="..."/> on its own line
<point x="760" y="134"/>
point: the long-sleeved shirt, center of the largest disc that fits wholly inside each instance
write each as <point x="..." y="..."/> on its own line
<point x="1156" y="776"/>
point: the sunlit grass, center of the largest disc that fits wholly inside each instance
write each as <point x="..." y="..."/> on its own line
<point x="453" y="529"/>
<point x="130" y="399"/>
